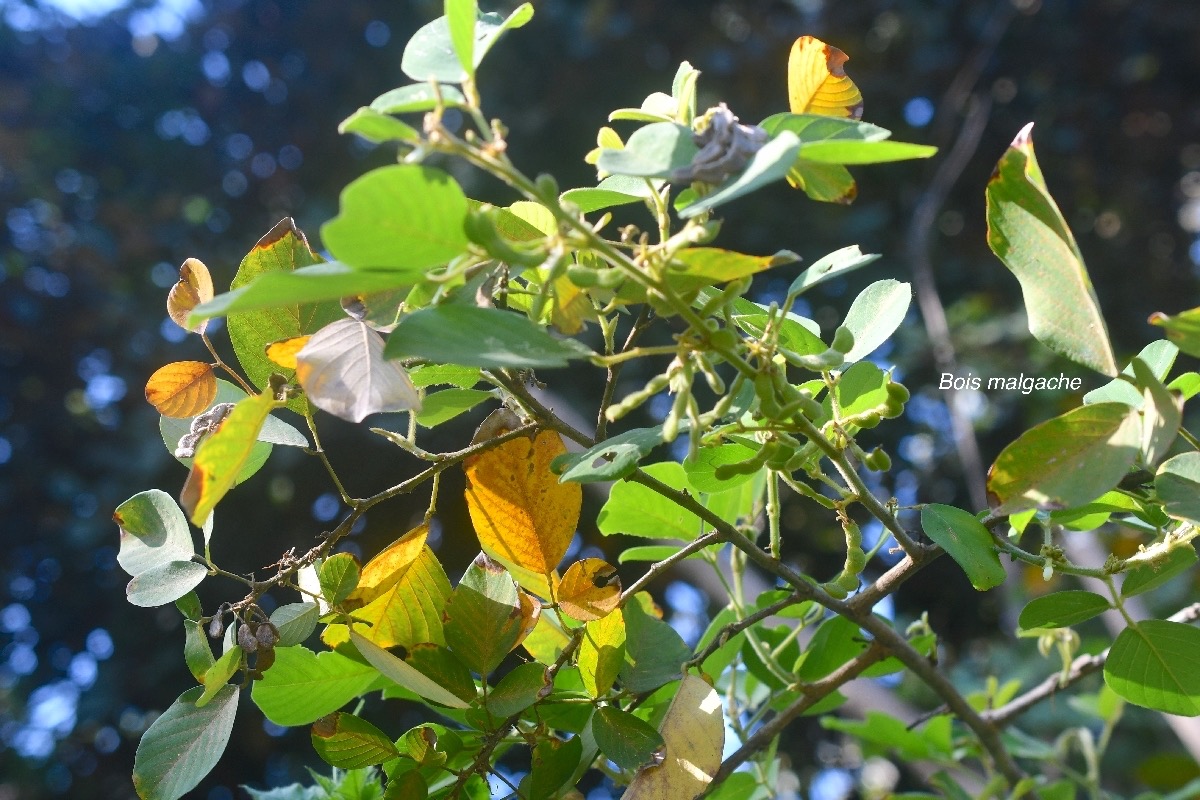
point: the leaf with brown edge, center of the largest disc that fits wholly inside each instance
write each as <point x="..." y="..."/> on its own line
<point x="589" y="590"/>
<point x="182" y="388"/>
<point x="531" y="612"/>
<point x="817" y="81"/>
<point x="284" y="351"/>
<point x="194" y="287"/>
<point x="483" y="619"/>
<point x="388" y="568"/>
<point x="220" y="457"/>
<point x="521" y="513"/>
<point x="694" y="733"/>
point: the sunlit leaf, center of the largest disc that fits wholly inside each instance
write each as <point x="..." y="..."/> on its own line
<point x="1146" y="577"/>
<point x="302" y="686"/>
<point x="194" y="287"/>
<point x="589" y="590"/>
<point x="654" y="652"/>
<point x="280" y="253"/>
<point x="1178" y="486"/>
<point x="836" y="264"/>
<point x="388" y="568"/>
<point x="602" y="652"/>
<point x="1028" y="233"/>
<point x="182" y="388"/>
<point x="770" y="163"/>
<point x="402" y="673"/>
<point x="653" y="151"/>
<point x="431" y="53"/>
<point x="350" y="742"/>
<point x="612" y="459"/>
<point x="295" y="622"/>
<point x="447" y="404"/>
<point x="164" y="583"/>
<point x="1162" y="414"/>
<point x="694" y="733"/>
<point x="479" y="337"/>
<point x="343" y="372"/>
<point x="284" y="352"/>
<point x="153" y="532"/>
<point x="443" y="668"/>
<point x="338" y="576"/>
<point x="220" y="457"/>
<point x="375" y="126"/>
<point x="1153" y="664"/>
<point x="183" y="744"/>
<point x="817" y="81"/>
<point x="483" y="616"/>
<point x="1066" y="461"/>
<point x="417" y="97"/>
<point x="875" y="315"/>
<point x="702" y="266"/>
<point x="218" y="674"/>
<point x="967" y="541"/>
<point x="637" y="510"/>
<point x="523" y="686"/>
<point x="518" y="507"/>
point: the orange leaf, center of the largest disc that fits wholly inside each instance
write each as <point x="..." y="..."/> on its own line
<point x="284" y="351"/>
<point x="589" y="590"/>
<point x="522" y="514"/>
<point x="817" y="82"/>
<point x="385" y="570"/>
<point x="182" y="388"/>
<point x="194" y="287"/>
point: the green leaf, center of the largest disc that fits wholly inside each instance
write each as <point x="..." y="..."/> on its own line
<point x="637" y="510"/>
<point x="443" y="668"/>
<point x="653" y="151"/>
<point x="892" y="734"/>
<point x="701" y="472"/>
<point x="426" y="375"/>
<point x="650" y="552"/>
<point x="793" y="335"/>
<point x="1150" y="576"/>
<point x="554" y="761"/>
<point x="624" y="739"/>
<point x="153" y="532"/>
<point x="1187" y="384"/>
<point x="1158" y="356"/>
<point x="217" y="677"/>
<point x="404" y="674"/>
<point x="836" y="264"/>
<point x="850" y="151"/>
<point x="483" y="616"/>
<point x="460" y="21"/>
<point x="350" y="742"/>
<point x="967" y="541"/>
<point x="328" y="281"/>
<point x="1153" y="664"/>
<point x="164" y="583"/>
<point x="1183" y="329"/>
<point x="654" y="652"/>
<point x="378" y="127"/>
<point x="612" y="459"/>
<point x="1177" y="484"/>
<point x="1162" y="414"/>
<point x="1066" y="461"/>
<point x="1062" y="609"/>
<point x="836" y="641"/>
<point x="447" y="404"/>
<point x="479" y="337"/>
<point x="825" y="183"/>
<point x="403" y="218"/>
<point x="811" y="128"/>
<point x="222" y="455"/>
<point x="523" y="686"/>
<point x="417" y="97"/>
<point x="295" y="622"/>
<point x="615" y="190"/>
<point x="771" y="163"/>
<point x="282" y="251"/>
<point x="602" y="652"/>
<point x="197" y="653"/>
<point x="1028" y="233"/>
<point x="301" y="686"/>
<point x="708" y="265"/>
<point x="875" y="315"/>
<point x="860" y="389"/>
<point x="338" y="575"/>
<point x="431" y="54"/>
<point x="183" y="745"/>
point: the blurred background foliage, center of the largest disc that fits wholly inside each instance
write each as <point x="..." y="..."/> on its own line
<point x="136" y="134"/>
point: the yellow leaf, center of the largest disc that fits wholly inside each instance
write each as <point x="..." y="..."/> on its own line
<point x="548" y="639"/>
<point x="182" y="388"/>
<point x="601" y="653"/>
<point x="284" y="351"/>
<point x="522" y="515"/>
<point x="406" y="614"/>
<point x="590" y="589"/>
<point x="194" y="287"/>
<point x="694" y="733"/>
<point x="571" y="307"/>
<point x="817" y="82"/>
<point x="387" y="568"/>
<point x="531" y="612"/>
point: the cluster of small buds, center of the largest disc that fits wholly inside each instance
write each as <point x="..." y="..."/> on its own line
<point x="726" y="146"/>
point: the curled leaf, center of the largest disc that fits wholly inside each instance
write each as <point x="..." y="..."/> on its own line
<point x="589" y="590"/>
<point x="343" y="371"/>
<point x="817" y="81"/>
<point x="194" y="287"/>
<point x="182" y="388"/>
<point x="284" y="351"/>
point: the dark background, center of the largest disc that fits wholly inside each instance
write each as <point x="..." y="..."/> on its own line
<point x="156" y="132"/>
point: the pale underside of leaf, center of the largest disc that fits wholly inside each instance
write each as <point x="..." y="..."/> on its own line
<point x="343" y="371"/>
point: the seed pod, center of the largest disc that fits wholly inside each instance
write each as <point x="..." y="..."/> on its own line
<point x="267" y="635"/>
<point x="216" y="628"/>
<point x="246" y="639"/>
<point x="583" y="277"/>
<point x="843" y="340"/>
<point x="878" y="461"/>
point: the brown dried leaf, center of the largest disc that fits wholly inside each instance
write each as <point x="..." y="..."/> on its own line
<point x="194" y="287"/>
